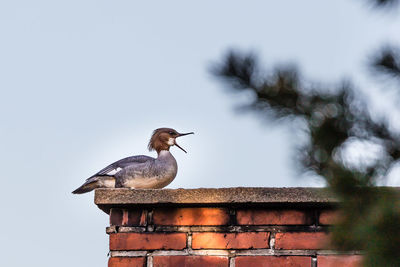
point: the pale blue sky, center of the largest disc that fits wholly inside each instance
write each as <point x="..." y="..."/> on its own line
<point x="84" y="83"/>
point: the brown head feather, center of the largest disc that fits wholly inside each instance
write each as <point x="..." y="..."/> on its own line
<point x="159" y="139"/>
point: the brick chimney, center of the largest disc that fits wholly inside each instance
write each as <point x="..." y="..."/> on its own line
<point x="236" y="227"/>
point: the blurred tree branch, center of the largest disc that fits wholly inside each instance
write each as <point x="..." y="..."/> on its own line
<point x="384" y="3"/>
<point x="333" y="118"/>
<point x="387" y="62"/>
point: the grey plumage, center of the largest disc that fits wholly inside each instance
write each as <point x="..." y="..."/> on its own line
<point x="122" y="163"/>
<point x="108" y="173"/>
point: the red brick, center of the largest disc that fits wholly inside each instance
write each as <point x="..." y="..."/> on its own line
<point x="328" y="217"/>
<point x="124" y="217"/>
<point x="273" y="261"/>
<point x="339" y="260"/>
<point x="143" y="241"/>
<point x="315" y="240"/>
<point x="127" y="262"/>
<point x="272" y="217"/>
<point x="189" y="261"/>
<point x="230" y="240"/>
<point x="191" y="216"/>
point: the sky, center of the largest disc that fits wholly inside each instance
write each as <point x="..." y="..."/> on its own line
<point x="84" y="83"/>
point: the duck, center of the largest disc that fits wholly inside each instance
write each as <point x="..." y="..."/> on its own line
<point x="140" y="172"/>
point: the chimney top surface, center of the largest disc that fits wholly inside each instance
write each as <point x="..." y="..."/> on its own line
<point x="235" y="196"/>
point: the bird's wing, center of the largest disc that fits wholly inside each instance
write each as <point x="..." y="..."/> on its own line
<point x="115" y="167"/>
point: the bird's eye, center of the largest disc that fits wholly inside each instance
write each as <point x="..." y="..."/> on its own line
<point x="171" y="133"/>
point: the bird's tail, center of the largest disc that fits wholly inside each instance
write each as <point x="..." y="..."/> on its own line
<point x="95" y="182"/>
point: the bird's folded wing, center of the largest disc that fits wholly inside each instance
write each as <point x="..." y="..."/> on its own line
<point x="115" y="167"/>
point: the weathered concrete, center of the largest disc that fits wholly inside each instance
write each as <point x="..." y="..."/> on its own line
<point x="239" y="196"/>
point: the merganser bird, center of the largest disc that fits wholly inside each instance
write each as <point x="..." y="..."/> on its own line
<point x="140" y="172"/>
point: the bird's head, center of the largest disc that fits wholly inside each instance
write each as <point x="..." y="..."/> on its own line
<point x="164" y="138"/>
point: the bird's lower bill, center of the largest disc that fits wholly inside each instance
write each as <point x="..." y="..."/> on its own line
<point x="172" y="142"/>
<point x="180" y="147"/>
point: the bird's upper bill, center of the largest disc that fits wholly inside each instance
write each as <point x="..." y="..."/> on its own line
<point x="164" y="138"/>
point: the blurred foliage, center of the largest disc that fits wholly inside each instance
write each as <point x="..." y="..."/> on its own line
<point x="335" y="119"/>
<point x="387" y="62"/>
<point x="384" y="3"/>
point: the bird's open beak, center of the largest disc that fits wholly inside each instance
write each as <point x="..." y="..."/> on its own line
<point x="179" y="135"/>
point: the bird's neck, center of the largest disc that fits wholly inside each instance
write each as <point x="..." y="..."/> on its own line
<point x="164" y="154"/>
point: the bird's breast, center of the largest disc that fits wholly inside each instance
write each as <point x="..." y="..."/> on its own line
<point x="157" y="175"/>
<point x="148" y="182"/>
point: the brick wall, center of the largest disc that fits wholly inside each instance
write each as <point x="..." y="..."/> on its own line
<point x="217" y="233"/>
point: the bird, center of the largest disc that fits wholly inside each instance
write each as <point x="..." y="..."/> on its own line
<point x="140" y="172"/>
